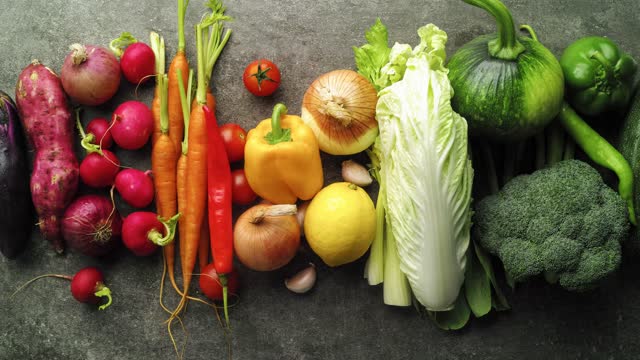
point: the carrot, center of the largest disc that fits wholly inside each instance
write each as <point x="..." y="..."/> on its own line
<point x="181" y="175"/>
<point x="179" y="62"/>
<point x="163" y="156"/>
<point x="196" y="193"/>
<point x="157" y="45"/>
<point x="163" y="163"/>
<point x="209" y="45"/>
<point x="211" y="101"/>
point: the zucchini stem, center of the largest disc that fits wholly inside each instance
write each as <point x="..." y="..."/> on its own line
<point x="529" y="29"/>
<point x="506" y="46"/>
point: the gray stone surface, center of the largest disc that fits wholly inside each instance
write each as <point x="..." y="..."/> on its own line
<point x="343" y="317"/>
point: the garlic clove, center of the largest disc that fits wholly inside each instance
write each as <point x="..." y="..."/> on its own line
<point x="303" y="281"/>
<point x="355" y="173"/>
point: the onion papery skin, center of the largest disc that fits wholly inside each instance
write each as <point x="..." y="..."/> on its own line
<point x="266" y="246"/>
<point x="352" y="97"/>
<point x="95" y="80"/>
<point x="91" y="225"/>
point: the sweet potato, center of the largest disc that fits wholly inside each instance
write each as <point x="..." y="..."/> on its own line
<point x="47" y="120"/>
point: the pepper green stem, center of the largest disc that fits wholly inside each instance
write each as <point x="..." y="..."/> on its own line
<point x="170" y="231"/>
<point x="118" y="45"/>
<point x="601" y="152"/>
<point x="103" y="291"/>
<point x="597" y="55"/>
<point x="86" y="141"/>
<point x="607" y="77"/>
<point x="278" y="134"/>
<point x="506" y="46"/>
<point x="225" y="297"/>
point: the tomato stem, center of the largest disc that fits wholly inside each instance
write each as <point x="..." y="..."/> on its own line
<point x="261" y="75"/>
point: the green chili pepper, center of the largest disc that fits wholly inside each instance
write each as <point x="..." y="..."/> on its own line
<point x="598" y="76"/>
<point x="601" y="152"/>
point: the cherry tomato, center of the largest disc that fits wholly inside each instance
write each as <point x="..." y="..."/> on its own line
<point x="210" y="283"/>
<point x="261" y="77"/>
<point x="234" y="138"/>
<point x="241" y="192"/>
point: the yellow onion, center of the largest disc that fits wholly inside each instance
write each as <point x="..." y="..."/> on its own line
<point x="340" y="108"/>
<point x="266" y="237"/>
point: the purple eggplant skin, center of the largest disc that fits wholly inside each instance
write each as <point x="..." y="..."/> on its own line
<point x="16" y="207"/>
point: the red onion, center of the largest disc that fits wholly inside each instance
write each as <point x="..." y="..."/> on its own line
<point x="91" y="225"/>
<point x="90" y="74"/>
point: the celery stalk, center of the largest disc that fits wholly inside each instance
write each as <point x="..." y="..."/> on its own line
<point x="374" y="268"/>
<point x="396" y="288"/>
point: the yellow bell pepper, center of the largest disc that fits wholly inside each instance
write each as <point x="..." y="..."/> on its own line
<point x="282" y="159"/>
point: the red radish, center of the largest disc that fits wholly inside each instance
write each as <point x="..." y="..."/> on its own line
<point x="143" y="232"/>
<point x="99" y="168"/>
<point x="210" y="282"/>
<point x="135" y="187"/>
<point x="92" y="225"/>
<point x="47" y="121"/>
<point x="101" y="131"/>
<point x="90" y="74"/>
<point x="137" y="60"/>
<point x="138" y="63"/>
<point x="132" y="125"/>
<point x="87" y="286"/>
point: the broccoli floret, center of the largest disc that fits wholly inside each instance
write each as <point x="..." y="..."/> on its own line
<point x="562" y="222"/>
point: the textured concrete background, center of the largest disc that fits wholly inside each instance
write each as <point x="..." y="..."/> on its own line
<point x="343" y="317"/>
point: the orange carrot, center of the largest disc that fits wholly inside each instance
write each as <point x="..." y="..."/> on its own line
<point x="155" y="110"/>
<point x="184" y="90"/>
<point x="196" y="195"/>
<point x="176" y="121"/>
<point x="181" y="63"/>
<point x="203" y="246"/>
<point x="163" y="165"/>
<point x="208" y="48"/>
<point x="211" y="101"/>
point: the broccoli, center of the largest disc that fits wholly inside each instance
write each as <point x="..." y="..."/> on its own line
<point x="562" y="222"/>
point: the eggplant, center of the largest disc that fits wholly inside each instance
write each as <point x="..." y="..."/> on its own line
<point x="16" y="207"/>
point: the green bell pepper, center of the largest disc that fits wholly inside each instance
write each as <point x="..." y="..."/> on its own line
<point x="598" y="76"/>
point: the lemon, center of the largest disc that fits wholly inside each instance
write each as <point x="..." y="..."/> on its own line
<point x="340" y="223"/>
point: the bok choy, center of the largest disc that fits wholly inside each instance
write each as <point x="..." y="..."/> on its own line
<point x="426" y="149"/>
<point x="422" y="163"/>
